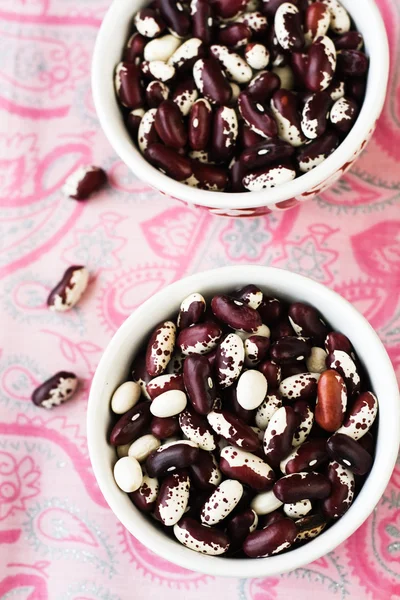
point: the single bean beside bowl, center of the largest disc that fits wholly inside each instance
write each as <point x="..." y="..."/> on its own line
<point x="247" y="426"/>
<point x="241" y="96"/>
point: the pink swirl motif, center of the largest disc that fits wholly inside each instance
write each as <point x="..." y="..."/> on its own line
<point x="18" y="483"/>
<point x="158" y="569"/>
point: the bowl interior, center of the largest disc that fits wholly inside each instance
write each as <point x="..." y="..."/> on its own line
<point x="114" y="369"/>
<point x="108" y="52"/>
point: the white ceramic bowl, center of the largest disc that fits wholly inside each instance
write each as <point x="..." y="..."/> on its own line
<point x="114" y="369"/>
<point x="108" y="51"/>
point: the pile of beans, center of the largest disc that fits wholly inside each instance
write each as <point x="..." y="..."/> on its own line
<point x="240" y="95"/>
<point x="245" y="427"/>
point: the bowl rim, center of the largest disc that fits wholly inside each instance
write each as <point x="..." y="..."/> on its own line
<point x="364" y="504"/>
<point x="111" y="122"/>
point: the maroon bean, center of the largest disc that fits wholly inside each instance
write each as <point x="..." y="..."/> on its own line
<point x="240" y="526"/>
<point x="200" y="338"/>
<point x="132" y="122"/>
<point x="235" y="313"/>
<point x="338" y="341"/>
<point x="272" y="373"/>
<point x="307" y="321"/>
<point x="343" y="114"/>
<point x="279" y="435"/>
<point x="203" y="539"/>
<point x="299" y="64"/>
<point x="234" y="430"/>
<point x="205" y="473"/>
<point x="271" y="310"/>
<point x="199" y="127"/>
<point x="247" y="137"/>
<point x="68" y="291"/>
<point x="145" y="497"/>
<point x="198" y="378"/>
<point x="302" y="486"/>
<point x="256" y="116"/>
<point x="169" y="161"/>
<point x="349" y="453"/>
<point x="140" y="374"/>
<point x="134" y="48"/>
<point x="263" y="85"/>
<point x="236" y="174"/>
<point x="131" y="425"/>
<point x="249" y="294"/>
<point x="288" y="27"/>
<point x="164" y="427"/>
<point x="209" y="177"/>
<point x="295" y="368"/>
<point x="265" y="154"/>
<point x="271" y="518"/>
<point x="224" y="134"/>
<point x="169" y="125"/>
<point x="351" y="40"/>
<point x="256" y="349"/>
<point x="331" y="402"/>
<point x="156" y="93"/>
<point x="321" y="64"/>
<point x="368" y="443"/>
<point x="346" y="367"/>
<point x="228" y="9"/>
<point x="289" y="349"/>
<point x="202" y="20"/>
<point x="234" y="35"/>
<point x="307" y="457"/>
<point x="309" y="527"/>
<point x="211" y="81"/>
<point x="165" y="383"/>
<point x="212" y="357"/>
<point x="128" y="85"/>
<point x="316" y="21"/>
<point x="175" y="17"/>
<point x="185" y="95"/>
<point x="271" y="540"/>
<point x="246" y="468"/>
<point x="284" y="106"/>
<point x="149" y="23"/>
<point x="314" y="116"/>
<point x="342" y="494"/>
<point x="170" y="457"/>
<point x="231" y="404"/>
<point x="313" y="154"/>
<point x="352" y="63"/>
<point x="56" y="390"/>
<point x="356" y="88"/>
<point x="191" y="311"/>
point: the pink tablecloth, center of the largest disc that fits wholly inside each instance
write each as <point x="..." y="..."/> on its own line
<point x="58" y="539"/>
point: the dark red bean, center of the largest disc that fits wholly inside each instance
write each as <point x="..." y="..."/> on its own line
<point x="295" y="368"/>
<point x="156" y="93"/>
<point x="234" y="35"/>
<point x="56" y="390"/>
<point x="185" y="95"/>
<point x="271" y="310"/>
<point x="332" y="401"/>
<point x="131" y="425"/>
<point x="203" y="539"/>
<point x="352" y="63"/>
<point x="307" y="457"/>
<point x="169" y="125"/>
<point x="173" y="164"/>
<point x="165" y="383"/>
<point x="133" y="120"/>
<point x="191" y="311"/>
<point x="321" y="64"/>
<point x="211" y="81"/>
<point x="139" y="373"/>
<point x="240" y="526"/>
<point x="224" y="134"/>
<point x="134" y="48"/>
<point x="202" y="20"/>
<point x="302" y="486"/>
<point x="199" y="127"/>
<point x="349" y="453"/>
<point x="278" y="436"/>
<point x="200" y="338"/>
<point x="368" y="443"/>
<point x="247" y="137"/>
<point x="273" y="539"/>
<point x="307" y="321"/>
<point x="249" y="294"/>
<point x="299" y="64"/>
<point x="342" y="494"/>
<point x="231" y="403"/>
<point x="272" y="373"/>
<point x="351" y="40"/>
<point x="316" y="21"/>
<point x="285" y="108"/>
<point x="256" y="116"/>
<point x="338" y="341"/>
<point x="236" y="174"/>
<point x="266" y="153"/>
<point x="356" y="88"/>
<point x="262" y="87"/>
<point x="274" y="517"/>
<point x="246" y="468"/>
<point x="164" y="427"/>
<point x="205" y="473"/>
<point x="175" y="17"/>
<point x="343" y="114"/>
<point x="235" y="313"/>
<point x="227" y="9"/>
<point x="128" y="85"/>
<point x="288" y="27"/>
<point x="289" y="349"/>
<point x="144" y="498"/>
<point x="170" y="457"/>
<point x="210" y="177"/>
<point x="313" y="154"/>
<point x="198" y="378"/>
<point x="256" y="349"/>
<point x="314" y="116"/>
